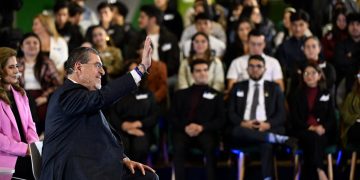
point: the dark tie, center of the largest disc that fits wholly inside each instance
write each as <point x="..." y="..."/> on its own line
<point x="255" y="102"/>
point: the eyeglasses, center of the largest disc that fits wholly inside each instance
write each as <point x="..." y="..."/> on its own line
<point x="253" y="66"/>
<point x="256" y="43"/>
<point x="310" y="73"/>
<point x="98" y="65"/>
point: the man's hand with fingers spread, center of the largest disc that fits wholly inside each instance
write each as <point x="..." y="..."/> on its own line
<point x="132" y="165"/>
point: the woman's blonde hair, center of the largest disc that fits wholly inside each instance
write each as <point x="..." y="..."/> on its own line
<point x="49" y="24"/>
<point x="5" y="54"/>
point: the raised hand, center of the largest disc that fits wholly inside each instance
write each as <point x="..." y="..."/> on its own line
<point x="132" y="165"/>
<point x="147" y="53"/>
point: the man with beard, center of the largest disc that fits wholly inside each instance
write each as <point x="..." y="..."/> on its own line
<point x="257" y="114"/>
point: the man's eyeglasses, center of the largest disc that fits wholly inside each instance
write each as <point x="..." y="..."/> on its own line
<point x="256" y="44"/>
<point x="253" y="66"/>
<point x="97" y="65"/>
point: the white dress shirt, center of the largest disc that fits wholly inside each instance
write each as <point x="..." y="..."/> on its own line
<point x="155" y="42"/>
<point x="238" y="69"/>
<point x="58" y="52"/>
<point x="260" y="109"/>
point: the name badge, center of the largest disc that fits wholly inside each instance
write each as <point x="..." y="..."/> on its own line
<point x="325" y="98"/>
<point x="57" y="49"/>
<point x="111" y="31"/>
<point x="168" y="17"/>
<point x="240" y="93"/>
<point x="207" y="95"/>
<point x="166" y="47"/>
<point x="66" y="38"/>
<point x="322" y="66"/>
<point x="141" y="96"/>
<point x="106" y="54"/>
<point x="266" y="94"/>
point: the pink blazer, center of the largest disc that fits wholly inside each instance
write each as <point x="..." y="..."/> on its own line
<point x="10" y="143"/>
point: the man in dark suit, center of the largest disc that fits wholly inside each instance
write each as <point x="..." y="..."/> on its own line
<point x="197" y="115"/>
<point x="257" y="113"/>
<point x="79" y="143"/>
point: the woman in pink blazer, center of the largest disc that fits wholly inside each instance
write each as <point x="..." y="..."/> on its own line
<point x="17" y="129"/>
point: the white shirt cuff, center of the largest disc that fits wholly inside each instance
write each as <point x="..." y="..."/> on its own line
<point x="136" y="76"/>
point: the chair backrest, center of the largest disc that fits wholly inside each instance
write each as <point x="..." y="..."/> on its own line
<point x="35" y="154"/>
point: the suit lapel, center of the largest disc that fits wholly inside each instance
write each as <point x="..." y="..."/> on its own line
<point x="9" y="114"/>
<point x="241" y="101"/>
<point x="267" y="97"/>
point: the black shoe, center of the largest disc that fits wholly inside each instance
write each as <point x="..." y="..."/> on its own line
<point x="292" y="143"/>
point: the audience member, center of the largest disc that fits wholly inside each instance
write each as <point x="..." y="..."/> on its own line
<point x="238" y="70"/>
<point x="110" y="56"/>
<point x="312" y="116"/>
<point x="71" y="33"/>
<point x="127" y="38"/>
<point x="257" y="114"/>
<point x="106" y="15"/>
<point x="347" y="53"/>
<point x="216" y="11"/>
<point x="200" y="49"/>
<point x="164" y="43"/>
<point x="89" y="17"/>
<point x="172" y="19"/>
<point x="233" y="20"/>
<point x="52" y="44"/>
<point x="197" y="115"/>
<point x="338" y="34"/>
<point x="285" y="32"/>
<point x="215" y="29"/>
<point x="312" y="49"/>
<point x="262" y="24"/>
<point x="134" y="116"/>
<point x="290" y="53"/>
<point x="75" y="16"/>
<point x="39" y="76"/>
<point x="350" y="113"/>
<point x="203" y="24"/>
<point x="240" y="44"/>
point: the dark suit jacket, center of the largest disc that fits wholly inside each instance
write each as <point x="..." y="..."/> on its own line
<point x="209" y="112"/>
<point x="324" y="111"/>
<point x="133" y="107"/>
<point x="274" y="104"/>
<point x="168" y="49"/>
<point x="78" y="141"/>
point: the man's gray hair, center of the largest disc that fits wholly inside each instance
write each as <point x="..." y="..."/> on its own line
<point x="80" y="54"/>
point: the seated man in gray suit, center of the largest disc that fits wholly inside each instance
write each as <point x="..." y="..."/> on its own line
<point x="257" y="113"/>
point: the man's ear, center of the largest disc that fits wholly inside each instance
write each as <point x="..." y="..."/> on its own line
<point x="153" y="20"/>
<point x="77" y="67"/>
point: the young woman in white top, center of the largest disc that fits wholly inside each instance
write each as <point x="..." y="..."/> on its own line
<point x="51" y="43"/>
<point x="200" y="49"/>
